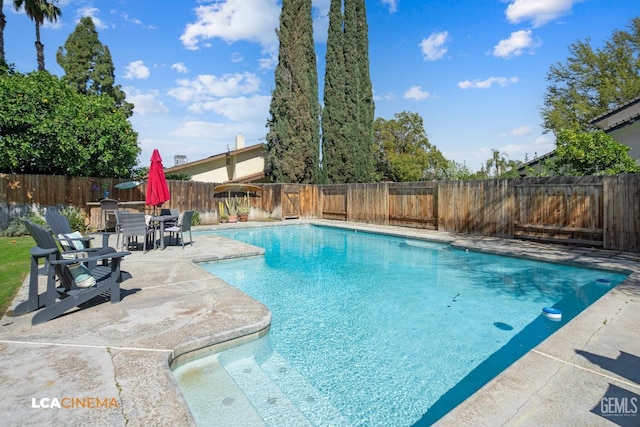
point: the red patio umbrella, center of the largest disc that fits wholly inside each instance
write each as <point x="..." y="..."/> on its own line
<point x="157" y="189"/>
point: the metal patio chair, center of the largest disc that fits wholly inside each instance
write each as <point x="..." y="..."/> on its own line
<point x="134" y="225"/>
<point x="183" y="224"/>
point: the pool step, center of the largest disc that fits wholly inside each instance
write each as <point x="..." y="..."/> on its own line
<point x="267" y="398"/>
<point x="280" y="394"/>
<point x="315" y="407"/>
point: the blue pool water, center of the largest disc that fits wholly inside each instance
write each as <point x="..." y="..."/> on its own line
<point x="378" y="330"/>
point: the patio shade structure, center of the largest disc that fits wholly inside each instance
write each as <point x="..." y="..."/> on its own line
<point x="157" y="189"/>
<point x="128" y="185"/>
<point x="236" y="188"/>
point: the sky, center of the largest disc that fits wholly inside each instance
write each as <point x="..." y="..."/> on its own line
<point x="201" y="72"/>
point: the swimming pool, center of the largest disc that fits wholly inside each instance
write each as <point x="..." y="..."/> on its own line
<point x="379" y="330"/>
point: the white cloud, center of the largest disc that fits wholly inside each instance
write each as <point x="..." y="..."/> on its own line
<point x="137" y="70"/>
<point x="127" y="18"/>
<point x="486" y="84"/>
<point x="235" y="20"/>
<point x="145" y="102"/>
<point x="320" y="15"/>
<point x="434" y="47"/>
<point x="519" y="131"/>
<point x="390" y="96"/>
<point x="546" y="141"/>
<point x="179" y="67"/>
<point x="539" y="12"/>
<point x="205" y="130"/>
<point x="416" y="93"/>
<point x="206" y="86"/>
<point x="236" y="57"/>
<point x="241" y="109"/>
<point x="515" y="44"/>
<point x="91" y="12"/>
<point x="393" y="5"/>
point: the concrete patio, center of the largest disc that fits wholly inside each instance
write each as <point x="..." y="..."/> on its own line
<point x="115" y="358"/>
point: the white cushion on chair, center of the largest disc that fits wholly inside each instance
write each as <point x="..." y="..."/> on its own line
<point x="71" y="241"/>
<point x="81" y="275"/>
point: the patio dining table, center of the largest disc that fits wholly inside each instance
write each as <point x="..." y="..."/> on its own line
<point x="162" y="220"/>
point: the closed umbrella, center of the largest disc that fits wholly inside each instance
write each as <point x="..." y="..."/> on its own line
<point x="157" y="189"/>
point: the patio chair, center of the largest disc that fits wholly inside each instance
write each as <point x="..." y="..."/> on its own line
<point x="183" y="224"/>
<point x="118" y="214"/>
<point x="60" y="227"/>
<point x="135" y="225"/>
<point x="108" y="206"/>
<point x="172" y="212"/>
<point x="77" y="283"/>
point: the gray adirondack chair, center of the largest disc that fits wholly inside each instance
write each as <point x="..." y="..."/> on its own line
<point x="59" y="225"/>
<point x="63" y="292"/>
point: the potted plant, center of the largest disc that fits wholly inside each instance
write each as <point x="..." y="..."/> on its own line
<point x="243" y="214"/>
<point x="232" y="208"/>
<point x="224" y="218"/>
<point x="244" y="207"/>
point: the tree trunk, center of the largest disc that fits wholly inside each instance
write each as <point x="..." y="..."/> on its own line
<point x="39" y="49"/>
<point x="3" y="23"/>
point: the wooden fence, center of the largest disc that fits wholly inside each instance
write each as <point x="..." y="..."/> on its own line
<point x="593" y="211"/>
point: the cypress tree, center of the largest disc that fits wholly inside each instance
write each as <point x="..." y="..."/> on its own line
<point x="336" y="158"/>
<point x="293" y="139"/>
<point x="366" y="105"/>
<point x="88" y="65"/>
<point x="347" y="119"/>
<point x="352" y="141"/>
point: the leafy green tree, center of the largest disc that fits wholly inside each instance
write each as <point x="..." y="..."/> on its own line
<point x="177" y="176"/>
<point x="454" y="171"/>
<point x="48" y="128"/>
<point x="593" y="81"/>
<point x="403" y="149"/>
<point x="293" y="139"/>
<point x="88" y="66"/>
<point x="590" y="153"/>
<point x="39" y="11"/>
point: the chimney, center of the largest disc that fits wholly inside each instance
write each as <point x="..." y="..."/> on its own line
<point x="179" y="159"/>
<point x="239" y="141"/>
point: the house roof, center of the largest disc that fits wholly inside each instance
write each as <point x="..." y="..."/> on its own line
<point x="621" y="116"/>
<point x="537" y="160"/>
<point x="178" y="168"/>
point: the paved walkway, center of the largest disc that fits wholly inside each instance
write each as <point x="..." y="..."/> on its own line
<point x="114" y="358"/>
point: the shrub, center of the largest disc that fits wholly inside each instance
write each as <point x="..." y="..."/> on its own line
<point x="195" y="219"/>
<point x="75" y="218"/>
<point x="16" y="226"/>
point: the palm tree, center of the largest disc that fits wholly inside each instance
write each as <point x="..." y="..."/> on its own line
<point x="496" y="161"/>
<point x="38" y="11"/>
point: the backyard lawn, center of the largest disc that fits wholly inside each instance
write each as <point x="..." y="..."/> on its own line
<point x="14" y="267"/>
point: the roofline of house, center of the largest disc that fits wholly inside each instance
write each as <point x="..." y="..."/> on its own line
<point x="616" y="125"/>
<point x="537" y="160"/>
<point x="220" y="156"/>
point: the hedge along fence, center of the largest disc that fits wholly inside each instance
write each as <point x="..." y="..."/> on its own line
<point x="594" y="211"/>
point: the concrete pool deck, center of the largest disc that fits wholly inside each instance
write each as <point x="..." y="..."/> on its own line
<point x="116" y="356"/>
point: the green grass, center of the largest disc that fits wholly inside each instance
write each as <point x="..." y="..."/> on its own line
<point x="14" y="267"/>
